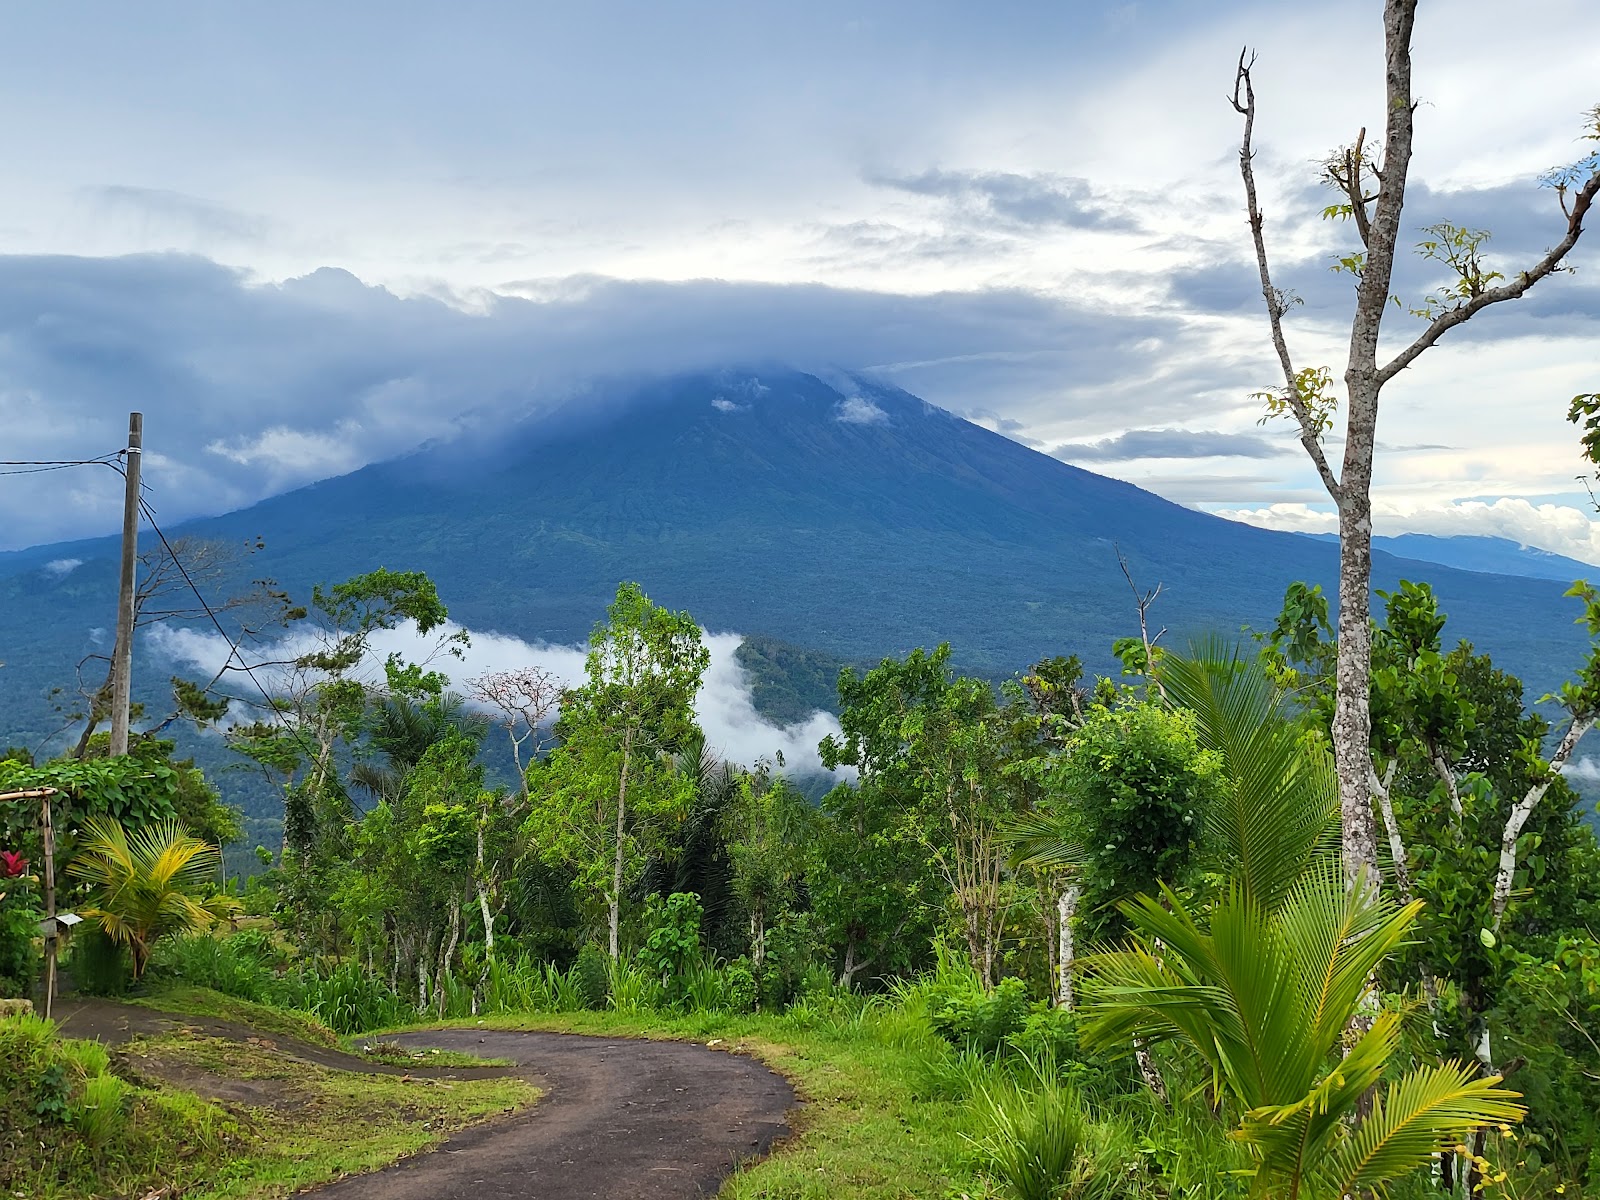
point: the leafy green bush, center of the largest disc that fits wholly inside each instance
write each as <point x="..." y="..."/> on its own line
<point x="673" y="941"/>
<point x="739" y="987"/>
<point x="793" y="945"/>
<point x="1050" y="1035"/>
<point x="19" y="929"/>
<point x="978" y="1020"/>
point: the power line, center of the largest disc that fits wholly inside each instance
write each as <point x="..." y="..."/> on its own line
<point x="233" y="647"/>
<point x="24" y="466"/>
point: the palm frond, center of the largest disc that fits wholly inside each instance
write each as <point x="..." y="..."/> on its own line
<point x="1280" y="805"/>
<point x="1043" y="841"/>
<point x="1415" y="1118"/>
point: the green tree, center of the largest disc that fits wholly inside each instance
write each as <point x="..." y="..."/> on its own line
<point x="148" y="883"/>
<point x="1480" y="825"/>
<point x="766" y="827"/>
<point x="932" y="744"/>
<point x="603" y="795"/>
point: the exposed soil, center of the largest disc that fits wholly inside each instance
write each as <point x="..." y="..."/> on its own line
<point x="621" y="1118"/>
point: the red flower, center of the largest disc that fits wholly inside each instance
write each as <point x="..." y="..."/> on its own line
<point x="12" y="864"/>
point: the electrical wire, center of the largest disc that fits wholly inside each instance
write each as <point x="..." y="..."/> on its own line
<point x="233" y="647"/>
<point x="23" y="466"/>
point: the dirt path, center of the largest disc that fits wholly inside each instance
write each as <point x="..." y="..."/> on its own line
<point x="621" y="1118"/>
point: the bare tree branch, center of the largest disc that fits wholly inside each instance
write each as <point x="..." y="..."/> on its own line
<point x="1244" y="102"/>
<point x="1510" y="290"/>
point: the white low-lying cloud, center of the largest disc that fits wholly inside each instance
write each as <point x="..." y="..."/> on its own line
<point x="60" y="567"/>
<point x="1558" y="528"/>
<point x="724" y="707"/>
<point x="1586" y="769"/>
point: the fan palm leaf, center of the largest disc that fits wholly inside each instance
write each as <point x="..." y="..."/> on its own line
<point x="1044" y="841"/>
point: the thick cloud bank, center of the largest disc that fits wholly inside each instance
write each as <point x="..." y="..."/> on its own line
<point x="251" y="389"/>
<point x="724" y="707"/>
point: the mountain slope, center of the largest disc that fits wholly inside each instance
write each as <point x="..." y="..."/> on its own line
<point x="1490" y="555"/>
<point x="852" y="519"/>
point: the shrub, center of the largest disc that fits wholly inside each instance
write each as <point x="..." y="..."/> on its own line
<point x="791" y="952"/>
<point x="673" y="940"/>
<point x="739" y="987"/>
<point x="978" y="1020"/>
<point x="1050" y="1035"/>
<point x="19" y="927"/>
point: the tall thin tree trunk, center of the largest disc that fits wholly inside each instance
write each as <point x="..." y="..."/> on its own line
<point x="1066" y="913"/>
<point x="481" y="882"/>
<point x="1352" y="719"/>
<point x="616" y="866"/>
<point x="1151" y="1073"/>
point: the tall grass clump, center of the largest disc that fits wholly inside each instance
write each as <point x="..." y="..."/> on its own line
<point x="100" y="1114"/>
<point x="1037" y="1144"/>
<point x="235" y="966"/>
<point x="346" y="999"/>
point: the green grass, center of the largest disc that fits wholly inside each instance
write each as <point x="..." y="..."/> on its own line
<point x="79" y="1121"/>
<point x="203" y="1002"/>
<point x="315" y="1124"/>
<point x="868" y="1127"/>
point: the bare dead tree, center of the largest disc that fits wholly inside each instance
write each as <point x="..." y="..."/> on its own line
<point x="525" y="699"/>
<point x="1371" y="184"/>
<point x="1143" y="600"/>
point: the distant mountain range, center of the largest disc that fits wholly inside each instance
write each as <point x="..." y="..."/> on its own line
<point x="840" y="518"/>
<point x="1490" y="555"/>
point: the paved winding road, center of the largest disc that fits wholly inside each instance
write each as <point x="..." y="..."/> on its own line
<point x="621" y="1118"/>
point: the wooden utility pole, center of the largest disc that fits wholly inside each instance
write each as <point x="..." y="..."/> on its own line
<point x="122" y="655"/>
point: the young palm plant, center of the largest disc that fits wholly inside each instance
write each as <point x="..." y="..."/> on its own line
<point x="1264" y="984"/>
<point x="149" y="883"/>
<point x="1264" y="997"/>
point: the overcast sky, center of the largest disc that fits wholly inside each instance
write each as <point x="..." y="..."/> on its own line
<point x="304" y="236"/>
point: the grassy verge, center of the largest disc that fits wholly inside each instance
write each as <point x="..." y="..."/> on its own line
<point x="207" y="1117"/>
<point x="874" y="1124"/>
<point x="273" y="1022"/>
<point x="307" y="1124"/>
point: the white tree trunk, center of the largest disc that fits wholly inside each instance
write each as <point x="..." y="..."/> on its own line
<point x="1519" y="817"/>
<point x="615" y="914"/>
<point x="1066" y="912"/>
